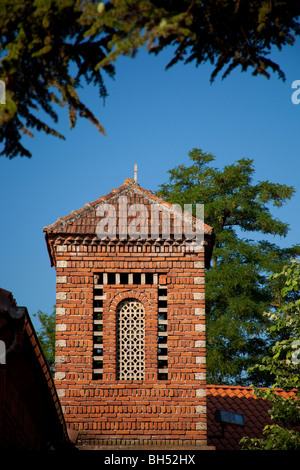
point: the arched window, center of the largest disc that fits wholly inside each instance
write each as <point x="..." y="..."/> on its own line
<point x="130" y="340"/>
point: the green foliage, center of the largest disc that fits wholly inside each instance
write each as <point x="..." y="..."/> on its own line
<point x="238" y="288"/>
<point x="277" y="438"/>
<point x="48" y="49"/>
<point x="46" y="336"/>
<point x="283" y="363"/>
<point x="44" y="58"/>
<point x="227" y="34"/>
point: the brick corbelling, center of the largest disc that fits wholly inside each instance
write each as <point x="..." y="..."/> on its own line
<point x="129" y="410"/>
<point x="129" y="389"/>
<point x="154" y="422"/>
<point x="165" y="420"/>
<point x="155" y="428"/>
<point x="177" y="252"/>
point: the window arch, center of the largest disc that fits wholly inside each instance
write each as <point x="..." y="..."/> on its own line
<point x="130" y="340"/>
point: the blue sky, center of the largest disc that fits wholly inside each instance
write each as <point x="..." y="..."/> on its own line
<point x="153" y="118"/>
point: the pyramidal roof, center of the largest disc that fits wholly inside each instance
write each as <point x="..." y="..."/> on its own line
<point x="85" y="219"/>
<point x="83" y="222"/>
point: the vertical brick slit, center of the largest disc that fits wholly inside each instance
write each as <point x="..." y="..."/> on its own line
<point x="98" y="327"/>
<point x="162" y="334"/>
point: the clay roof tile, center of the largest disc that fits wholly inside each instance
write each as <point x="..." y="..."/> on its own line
<point x="84" y="221"/>
<point x="239" y="400"/>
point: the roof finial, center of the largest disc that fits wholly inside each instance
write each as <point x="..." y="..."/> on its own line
<point x="135" y="172"/>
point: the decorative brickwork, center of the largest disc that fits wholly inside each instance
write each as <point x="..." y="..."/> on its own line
<point x="165" y="400"/>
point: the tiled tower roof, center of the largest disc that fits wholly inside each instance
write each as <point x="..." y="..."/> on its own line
<point x="84" y="221"/>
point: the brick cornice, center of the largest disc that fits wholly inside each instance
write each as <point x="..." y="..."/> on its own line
<point x="54" y="240"/>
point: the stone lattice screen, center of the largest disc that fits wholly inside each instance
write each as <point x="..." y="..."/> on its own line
<point x="130" y="340"/>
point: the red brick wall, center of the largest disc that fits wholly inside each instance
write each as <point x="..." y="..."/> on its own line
<point x="172" y="410"/>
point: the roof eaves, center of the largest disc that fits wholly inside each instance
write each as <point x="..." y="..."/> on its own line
<point x="88" y="207"/>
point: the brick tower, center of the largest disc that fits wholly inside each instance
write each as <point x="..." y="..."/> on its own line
<point x="130" y="326"/>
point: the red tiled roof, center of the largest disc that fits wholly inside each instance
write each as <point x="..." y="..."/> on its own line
<point x="81" y="224"/>
<point x="84" y="220"/>
<point x="238" y="400"/>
